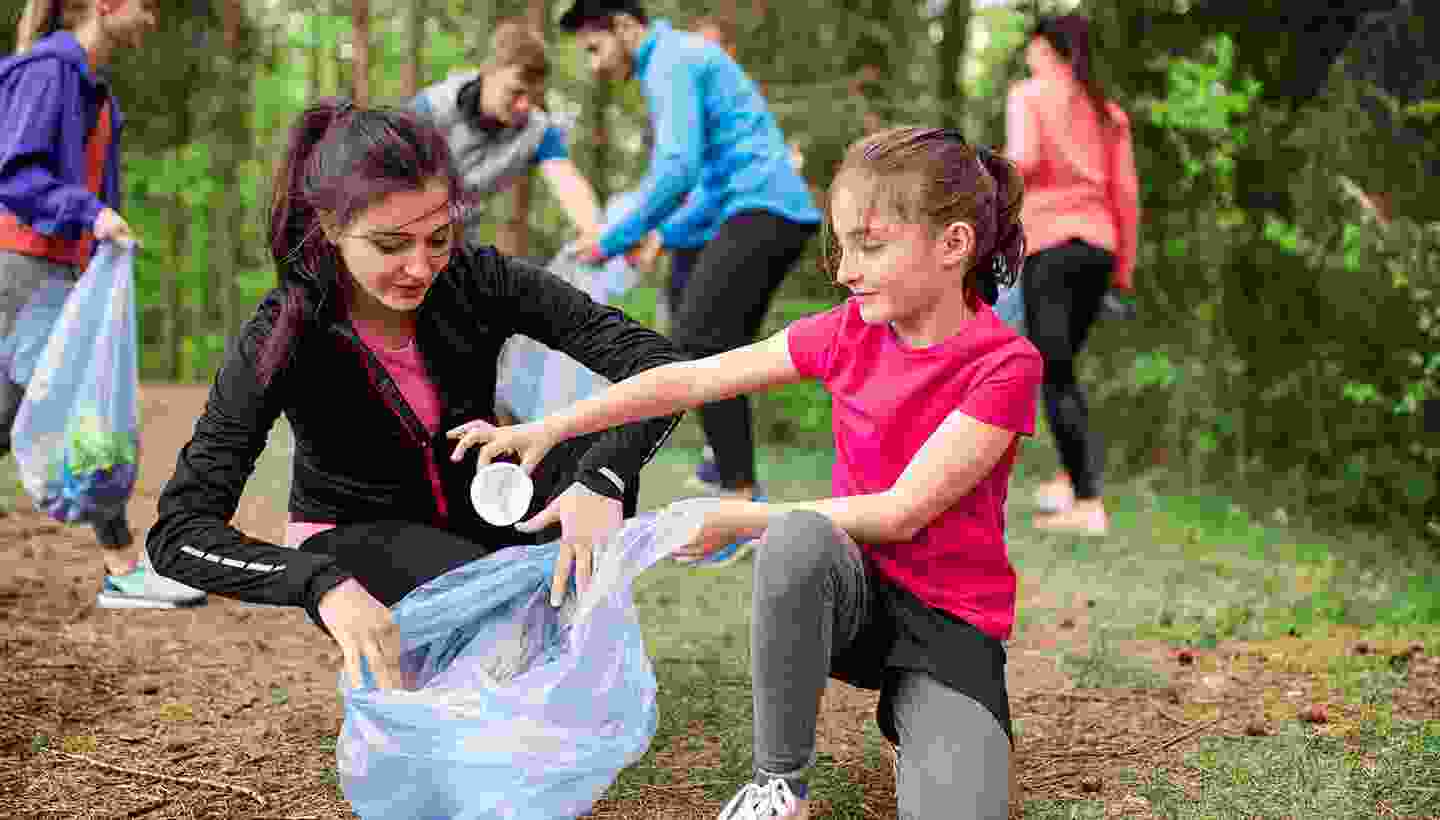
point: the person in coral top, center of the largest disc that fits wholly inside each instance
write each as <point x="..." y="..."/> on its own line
<point x="59" y="191"/>
<point x="1081" y="212"/>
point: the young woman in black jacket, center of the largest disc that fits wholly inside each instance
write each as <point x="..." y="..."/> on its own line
<point x="381" y="338"/>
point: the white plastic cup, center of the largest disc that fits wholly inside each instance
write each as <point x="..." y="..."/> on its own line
<point x="501" y="493"/>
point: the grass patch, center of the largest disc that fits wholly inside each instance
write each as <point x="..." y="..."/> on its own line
<point x="1064" y="810"/>
<point x="1103" y="667"/>
<point x="1302" y="773"/>
<point x="1198" y="568"/>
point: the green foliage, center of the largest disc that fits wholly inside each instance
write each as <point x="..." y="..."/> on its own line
<point x="1286" y="339"/>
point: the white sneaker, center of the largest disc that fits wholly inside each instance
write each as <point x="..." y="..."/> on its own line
<point x="1087" y="518"/>
<point x="144" y="588"/>
<point x="1055" y="496"/>
<point x="773" y="801"/>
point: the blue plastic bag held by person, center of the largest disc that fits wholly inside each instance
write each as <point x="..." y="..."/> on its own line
<point x="77" y="434"/>
<point x="1010" y="307"/>
<point x="535" y="380"/>
<point x="512" y="709"/>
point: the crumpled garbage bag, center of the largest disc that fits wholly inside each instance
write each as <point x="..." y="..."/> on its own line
<point x="512" y="709"/>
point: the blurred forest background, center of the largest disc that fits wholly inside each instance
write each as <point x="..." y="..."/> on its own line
<point x="1288" y="286"/>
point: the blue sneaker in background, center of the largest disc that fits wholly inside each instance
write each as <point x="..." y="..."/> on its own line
<point x="707" y="474"/>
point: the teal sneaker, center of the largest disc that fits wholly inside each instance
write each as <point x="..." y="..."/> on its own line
<point x="144" y="588"/>
<point x="737" y="551"/>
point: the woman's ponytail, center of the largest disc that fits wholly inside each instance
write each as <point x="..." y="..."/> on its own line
<point x="305" y="275"/>
<point x="40" y="18"/>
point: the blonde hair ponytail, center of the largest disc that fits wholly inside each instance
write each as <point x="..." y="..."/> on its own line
<point x="42" y="17"/>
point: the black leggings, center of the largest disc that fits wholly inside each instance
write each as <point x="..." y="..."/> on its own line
<point x="721" y="305"/>
<point x="1064" y="287"/>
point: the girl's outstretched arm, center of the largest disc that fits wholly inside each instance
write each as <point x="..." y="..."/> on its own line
<point x="659" y="391"/>
<point x="955" y="457"/>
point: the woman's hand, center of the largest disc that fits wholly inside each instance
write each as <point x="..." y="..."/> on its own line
<point x="364" y="628"/>
<point x="528" y="442"/>
<point x="726" y="523"/>
<point x="586" y="518"/>
<point x="111" y="225"/>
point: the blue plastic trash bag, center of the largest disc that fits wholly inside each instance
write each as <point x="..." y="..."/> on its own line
<point x="512" y="709"/>
<point x="1010" y="307"/>
<point x="535" y="380"/>
<point x="77" y="435"/>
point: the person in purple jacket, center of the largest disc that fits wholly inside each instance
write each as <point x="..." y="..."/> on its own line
<point x="59" y="193"/>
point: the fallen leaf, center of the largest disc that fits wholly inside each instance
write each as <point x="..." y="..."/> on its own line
<point x="80" y="744"/>
<point x="176" y="711"/>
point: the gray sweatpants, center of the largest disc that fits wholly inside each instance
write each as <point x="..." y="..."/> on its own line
<point x="811" y="600"/>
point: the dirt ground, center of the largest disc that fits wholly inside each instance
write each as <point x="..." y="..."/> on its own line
<point x="230" y="710"/>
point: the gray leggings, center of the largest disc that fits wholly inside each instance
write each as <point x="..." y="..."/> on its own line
<point x="812" y="597"/>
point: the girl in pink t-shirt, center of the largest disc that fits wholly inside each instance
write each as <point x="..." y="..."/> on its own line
<point x="900" y="581"/>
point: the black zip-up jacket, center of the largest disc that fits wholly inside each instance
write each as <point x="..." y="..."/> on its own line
<point x="361" y="454"/>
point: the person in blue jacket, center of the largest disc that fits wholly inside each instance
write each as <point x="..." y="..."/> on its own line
<point x="59" y="193"/>
<point x="749" y="211"/>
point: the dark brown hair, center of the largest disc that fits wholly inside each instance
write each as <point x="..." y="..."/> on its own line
<point x="340" y="161"/>
<point x="933" y="176"/>
<point x="1069" y="35"/>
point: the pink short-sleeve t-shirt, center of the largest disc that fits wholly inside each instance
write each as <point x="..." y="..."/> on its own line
<point x="886" y="400"/>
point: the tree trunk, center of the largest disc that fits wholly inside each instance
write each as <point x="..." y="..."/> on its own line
<point x="869" y="61"/>
<point x="415" y="30"/>
<point x="513" y="236"/>
<point x="950" y="63"/>
<point x="231" y="145"/>
<point x="317" y="66"/>
<point x="600" y="96"/>
<point x="360" y="17"/>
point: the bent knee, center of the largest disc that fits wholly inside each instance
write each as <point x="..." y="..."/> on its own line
<point x="799" y="546"/>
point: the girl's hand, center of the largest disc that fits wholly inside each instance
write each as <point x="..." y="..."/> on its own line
<point x="528" y="442"/>
<point x="587" y="250"/>
<point x="723" y="525"/>
<point x="586" y="518"/>
<point x="111" y="225"/>
<point x="642" y="257"/>
<point x="364" y="628"/>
